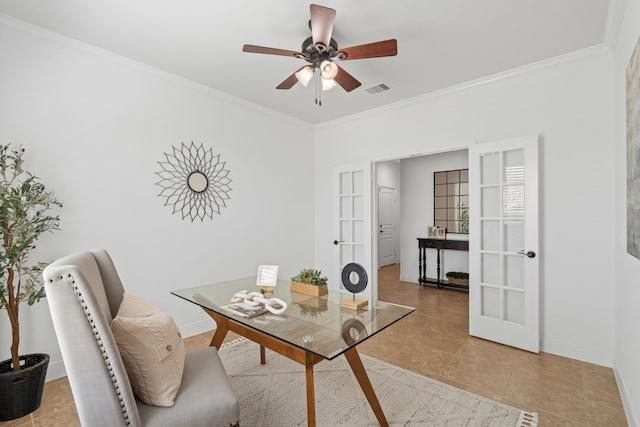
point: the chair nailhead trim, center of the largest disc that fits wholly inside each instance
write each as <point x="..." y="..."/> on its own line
<point x="98" y="338"/>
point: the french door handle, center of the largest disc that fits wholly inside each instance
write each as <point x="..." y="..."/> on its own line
<point x="336" y="242"/>
<point x="530" y="254"/>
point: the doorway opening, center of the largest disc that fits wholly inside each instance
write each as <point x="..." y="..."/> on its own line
<point x="412" y="212"/>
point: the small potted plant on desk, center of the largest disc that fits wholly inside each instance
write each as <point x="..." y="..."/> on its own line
<point x="309" y="282"/>
<point x="457" y="278"/>
<point x="23" y="205"/>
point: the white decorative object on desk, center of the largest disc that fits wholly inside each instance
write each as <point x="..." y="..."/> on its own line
<point x="255" y="299"/>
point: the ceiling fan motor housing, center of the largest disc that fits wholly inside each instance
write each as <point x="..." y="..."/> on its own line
<point x="316" y="53"/>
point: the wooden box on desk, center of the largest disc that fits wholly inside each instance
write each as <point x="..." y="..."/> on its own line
<point x="307" y="289"/>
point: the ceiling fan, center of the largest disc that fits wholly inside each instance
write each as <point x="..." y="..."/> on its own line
<point x="320" y="51"/>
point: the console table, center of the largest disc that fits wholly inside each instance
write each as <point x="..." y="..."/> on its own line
<point x="437" y="244"/>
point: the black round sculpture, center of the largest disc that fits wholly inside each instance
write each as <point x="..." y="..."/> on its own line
<point x="347" y="273"/>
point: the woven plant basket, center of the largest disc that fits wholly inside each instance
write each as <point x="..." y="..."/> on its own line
<point x="21" y="391"/>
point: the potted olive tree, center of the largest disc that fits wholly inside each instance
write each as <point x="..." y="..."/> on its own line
<point x="24" y="203"/>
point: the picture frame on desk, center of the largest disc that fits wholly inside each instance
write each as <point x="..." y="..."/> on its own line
<point x="441" y="233"/>
<point x="267" y="276"/>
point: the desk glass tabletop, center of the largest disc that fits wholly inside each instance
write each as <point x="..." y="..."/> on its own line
<point x="319" y="325"/>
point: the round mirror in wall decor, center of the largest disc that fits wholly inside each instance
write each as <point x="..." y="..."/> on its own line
<point x="194" y="181"/>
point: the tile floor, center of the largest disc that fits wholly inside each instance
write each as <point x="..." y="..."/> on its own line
<point x="434" y="341"/>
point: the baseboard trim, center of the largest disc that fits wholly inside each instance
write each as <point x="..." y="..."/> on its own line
<point x="408" y="278"/>
<point x="629" y="411"/>
<point x="578" y="352"/>
<point x="55" y="370"/>
<point x="196" y="328"/>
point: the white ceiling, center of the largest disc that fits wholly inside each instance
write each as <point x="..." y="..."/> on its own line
<point x="441" y="43"/>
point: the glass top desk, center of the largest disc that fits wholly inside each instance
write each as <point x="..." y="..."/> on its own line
<point x="309" y="331"/>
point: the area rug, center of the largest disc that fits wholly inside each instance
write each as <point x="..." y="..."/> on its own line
<point x="274" y="395"/>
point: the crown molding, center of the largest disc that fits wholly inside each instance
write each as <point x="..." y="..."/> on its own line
<point x="13" y="24"/>
<point x="504" y="75"/>
<point x="615" y="16"/>
<point x="614" y="22"/>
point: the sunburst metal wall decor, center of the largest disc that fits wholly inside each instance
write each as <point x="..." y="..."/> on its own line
<point x="194" y="181"/>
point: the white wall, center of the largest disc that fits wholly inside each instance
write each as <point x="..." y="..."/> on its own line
<point x="570" y="105"/>
<point x="626" y="267"/>
<point x="417" y="214"/>
<point x="95" y="126"/>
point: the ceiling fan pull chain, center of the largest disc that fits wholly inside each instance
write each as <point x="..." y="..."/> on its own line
<point x="316" y="71"/>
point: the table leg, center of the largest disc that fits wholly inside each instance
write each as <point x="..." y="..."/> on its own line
<point x="263" y="358"/>
<point x="311" y="398"/>
<point x="222" y="327"/>
<point x="438" y="267"/>
<point x="421" y="261"/>
<point x="363" y="379"/>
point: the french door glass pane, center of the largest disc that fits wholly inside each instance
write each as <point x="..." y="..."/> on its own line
<point x="346" y="231"/>
<point x="490" y="169"/>
<point x="358" y="207"/>
<point x="358" y="254"/>
<point x="514" y="306"/>
<point x="346" y="254"/>
<point x="514" y="235"/>
<point x="345" y="207"/>
<point x="358" y="231"/>
<point x="357" y="182"/>
<point x="514" y="166"/>
<point x="345" y="183"/>
<point x="490" y="236"/>
<point x="490" y="269"/>
<point x="490" y="302"/>
<point x="490" y="202"/>
<point x="513" y="199"/>
<point x="514" y="271"/>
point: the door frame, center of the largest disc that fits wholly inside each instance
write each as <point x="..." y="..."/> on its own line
<point x="375" y="264"/>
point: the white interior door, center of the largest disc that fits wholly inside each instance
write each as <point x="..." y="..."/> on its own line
<point x="352" y="223"/>
<point x="503" y="242"/>
<point x="386" y="226"/>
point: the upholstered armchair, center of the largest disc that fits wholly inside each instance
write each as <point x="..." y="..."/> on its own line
<point x="85" y="293"/>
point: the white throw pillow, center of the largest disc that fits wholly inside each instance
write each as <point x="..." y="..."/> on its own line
<point x="152" y="350"/>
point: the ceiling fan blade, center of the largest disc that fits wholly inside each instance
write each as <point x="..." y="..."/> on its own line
<point x="346" y="80"/>
<point x="271" y="51"/>
<point x="322" y="19"/>
<point x="289" y="81"/>
<point x="370" y="50"/>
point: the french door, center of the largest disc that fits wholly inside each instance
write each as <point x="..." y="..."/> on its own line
<point x="503" y="242"/>
<point x="352" y="224"/>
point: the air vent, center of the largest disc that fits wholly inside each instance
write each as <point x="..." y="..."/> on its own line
<point x="374" y="90"/>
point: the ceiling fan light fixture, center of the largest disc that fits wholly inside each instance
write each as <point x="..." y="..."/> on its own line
<point x="328" y="84"/>
<point x="304" y="75"/>
<point x="329" y="69"/>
